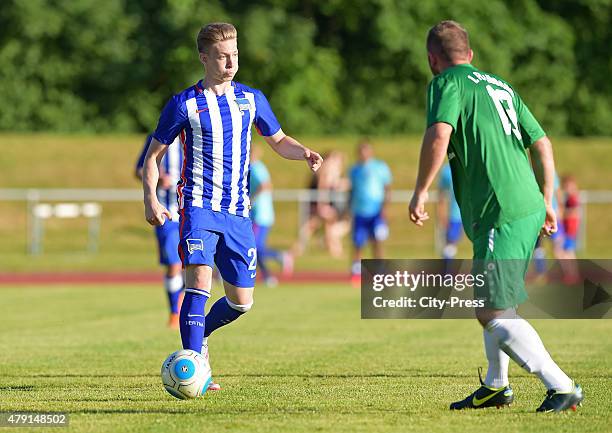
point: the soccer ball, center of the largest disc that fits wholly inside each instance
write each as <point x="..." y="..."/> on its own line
<point x="186" y="374"/>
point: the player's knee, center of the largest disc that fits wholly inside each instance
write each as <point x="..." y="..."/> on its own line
<point x="198" y="276"/>
<point x="242" y="308"/>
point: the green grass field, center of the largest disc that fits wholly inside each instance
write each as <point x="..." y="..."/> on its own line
<point x="84" y="161"/>
<point x="301" y="361"/>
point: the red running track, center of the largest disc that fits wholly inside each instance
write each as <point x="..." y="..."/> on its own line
<point x="56" y="278"/>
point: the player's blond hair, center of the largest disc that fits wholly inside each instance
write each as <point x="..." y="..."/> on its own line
<point x="449" y="40"/>
<point x="215" y="32"/>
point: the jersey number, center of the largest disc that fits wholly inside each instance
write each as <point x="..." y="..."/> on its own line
<point x="253" y="264"/>
<point x="506" y="111"/>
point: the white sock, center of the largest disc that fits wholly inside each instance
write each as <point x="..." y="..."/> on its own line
<point x="173" y="284"/>
<point x="522" y="343"/>
<point x="497" y="374"/>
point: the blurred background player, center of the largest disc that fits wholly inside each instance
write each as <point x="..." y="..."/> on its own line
<point x="262" y="216"/>
<point x="571" y="224"/>
<point x="215" y="117"/>
<point x="539" y="254"/>
<point x="326" y="211"/>
<point x="370" y="187"/>
<point x="168" y="234"/>
<point x="449" y="214"/>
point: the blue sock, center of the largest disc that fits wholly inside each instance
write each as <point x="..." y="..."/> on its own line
<point x="539" y="256"/>
<point x="173" y="298"/>
<point x="192" y="319"/>
<point x="220" y="315"/>
<point x="174" y="288"/>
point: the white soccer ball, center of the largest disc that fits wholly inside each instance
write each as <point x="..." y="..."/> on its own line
<point x="186" y="374"/>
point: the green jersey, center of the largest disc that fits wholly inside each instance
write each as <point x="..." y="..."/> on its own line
<point x="492" y="177"/>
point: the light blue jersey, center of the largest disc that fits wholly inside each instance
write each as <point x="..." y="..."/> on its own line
<point x="368" y="180"/>
<point x="262" y="207"/>
<point x="445" y="184"/>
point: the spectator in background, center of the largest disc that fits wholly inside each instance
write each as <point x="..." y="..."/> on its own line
<point x="370" y="180"/>
<point x="262" y="217"/>
<point x="449" y="215"/>
<point x="326" y="211"/>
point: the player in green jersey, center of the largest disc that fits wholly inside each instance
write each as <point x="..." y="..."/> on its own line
<point x="486" y="129"/>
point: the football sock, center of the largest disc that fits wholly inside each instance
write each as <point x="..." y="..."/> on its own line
<point x="356" y="267"/>
<point x="497" y="373"/>
<point x="522" y="343"/>
<point x="192" y="318"/>
<point x="223" y="312"/>
<point x="173" y="286"/>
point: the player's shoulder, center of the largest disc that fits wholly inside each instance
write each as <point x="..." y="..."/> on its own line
<point x="188" y="93"/>
<point x="380" y="164"/>
<point x="241" y="87"/>
<point x="477" y="76"/>
<point x="355" y="168"/>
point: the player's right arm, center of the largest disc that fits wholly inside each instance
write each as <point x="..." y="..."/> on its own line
<point x="155" y="213"/>
<point x="442" y="116"/>
<point x="173" y="119"/>
<point x="544" y="169"/>
<point x="542" y="160"/>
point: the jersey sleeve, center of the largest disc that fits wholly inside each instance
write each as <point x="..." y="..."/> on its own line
<point x="531" y="131"/>
<point x="172" y="121"/>
<point x="143" y="153"/>
<point x="385" y="173"/>
<point x="265" y="120"/>
<point x="443" y="103"/>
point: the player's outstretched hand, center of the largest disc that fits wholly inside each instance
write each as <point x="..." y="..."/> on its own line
<point x="417" y="208"/>
<point x="156" y="214"/>
<point x="313" y="159"/>
<point x="550" y="223"/>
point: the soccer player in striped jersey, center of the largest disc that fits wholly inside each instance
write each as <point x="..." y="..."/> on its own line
<point x="168" y="233"/>
<point x="484" y="126"/>
<point x="213" y="119"/>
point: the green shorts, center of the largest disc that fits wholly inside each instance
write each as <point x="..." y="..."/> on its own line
<point x="502" y="255"/>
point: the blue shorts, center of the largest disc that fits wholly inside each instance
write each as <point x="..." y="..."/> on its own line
<point x="218" y="238"/>
<point x="569" y="243"/>
<point x="261" y="236"/>
<point x="366" y="228"/>
<point x="167" y="243"/>
<point x="453" y="231"/>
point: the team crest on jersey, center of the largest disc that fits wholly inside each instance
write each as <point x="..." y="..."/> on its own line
<point x="194" y="245"/>
<point x="243" y="104"/>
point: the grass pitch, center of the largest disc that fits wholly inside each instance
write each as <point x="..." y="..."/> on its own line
<point x="302" y="360"/>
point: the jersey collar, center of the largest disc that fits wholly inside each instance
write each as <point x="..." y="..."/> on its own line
<point x="200" y="88"/>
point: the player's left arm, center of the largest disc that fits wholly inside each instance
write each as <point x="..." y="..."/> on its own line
<point x="543" y="164"/>
<point x="289" y="148"/>
<point x="542" y="160"/>
<point x="433" y="152"/>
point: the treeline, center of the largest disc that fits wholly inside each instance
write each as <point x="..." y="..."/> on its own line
<point x="327" y="66"/>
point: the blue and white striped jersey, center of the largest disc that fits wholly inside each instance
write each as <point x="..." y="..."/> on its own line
<point x="171" y="165"/>
<point x="216" y="136"/>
